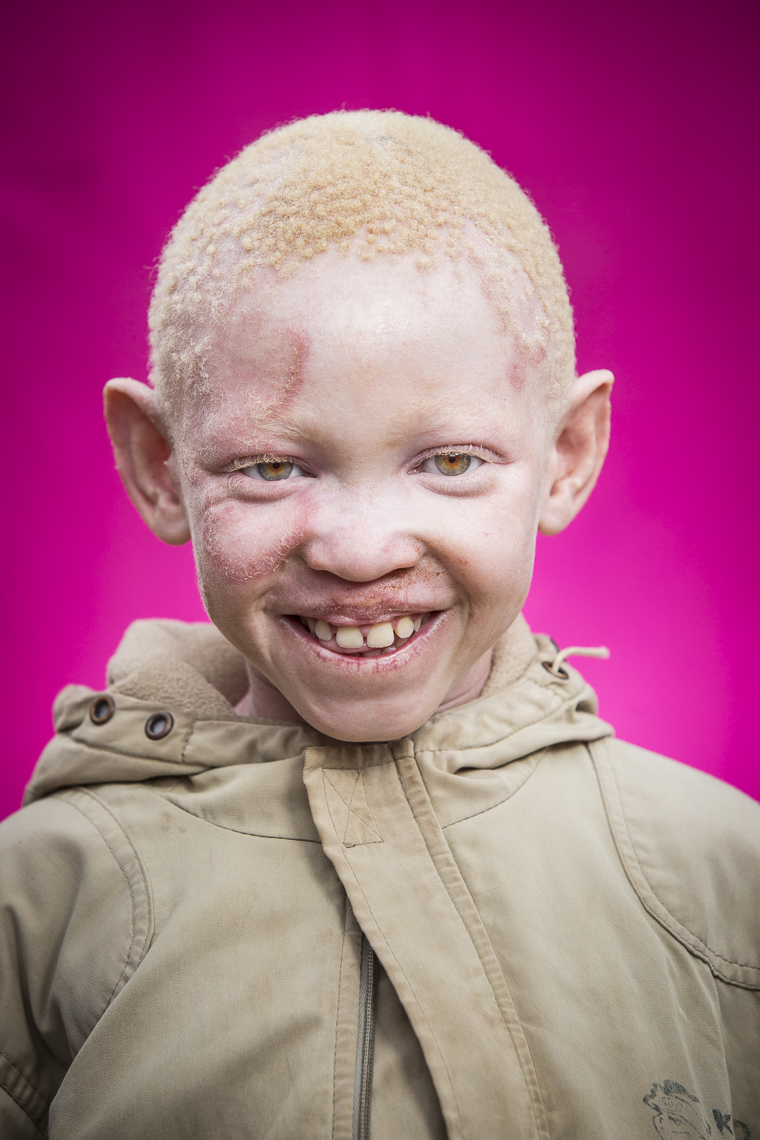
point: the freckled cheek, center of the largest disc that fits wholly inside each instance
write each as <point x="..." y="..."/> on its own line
<point x="245" y="542"/>
<point x="489" y="553"/>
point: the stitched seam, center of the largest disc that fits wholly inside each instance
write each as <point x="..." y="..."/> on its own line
<point x="224" y="826"/>
<point x="569" y="702"/>
<point x="143" y="876"/>
<point x="530" y="1076"/>
<point x="99" y="748"/>
<point x="493" y="807"/>
<point x="337" y="1028"/>
<point x="700" y="948"/>
<point x="520" y="683"/>
<point x="714" y="953"/>
<point x="122" y="978"/>
<point x="15" y="1098"/>
<point x="138" y="863"/>
<point x="338" y="1012"/>
<point x="131" y="898"/>
<point x="186" y="741"/>
<point x="675" y="927"/>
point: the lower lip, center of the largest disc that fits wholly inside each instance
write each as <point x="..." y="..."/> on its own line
<point x="355" y="660"/>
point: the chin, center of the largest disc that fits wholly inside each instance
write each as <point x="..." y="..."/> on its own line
<point x="363" y="725"/>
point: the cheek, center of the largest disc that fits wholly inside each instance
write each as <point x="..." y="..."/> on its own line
<point x="494" y="551"/>
<point x="501" y="566"/>
<point x="237" y="543"/>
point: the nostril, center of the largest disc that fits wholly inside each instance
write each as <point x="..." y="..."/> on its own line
<point x="361" y="553"/>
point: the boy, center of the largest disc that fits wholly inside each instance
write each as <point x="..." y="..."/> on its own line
<point x="360" y="859"/>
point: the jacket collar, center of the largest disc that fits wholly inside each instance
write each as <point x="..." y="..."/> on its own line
<point x="193" y="673"/>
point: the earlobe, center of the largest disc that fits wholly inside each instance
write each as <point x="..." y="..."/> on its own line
<point x="578" y="452"/>
<point x="143" y="456"/>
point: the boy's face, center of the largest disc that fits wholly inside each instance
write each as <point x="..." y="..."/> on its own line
<point x="363" y="482"/>
<point x="364" y="458"/>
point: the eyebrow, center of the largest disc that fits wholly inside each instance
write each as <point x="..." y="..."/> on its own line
<point x="259" y="426"/>
<point x="268" y="441"/>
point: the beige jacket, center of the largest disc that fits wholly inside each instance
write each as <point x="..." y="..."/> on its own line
<point x="567" y="927"/>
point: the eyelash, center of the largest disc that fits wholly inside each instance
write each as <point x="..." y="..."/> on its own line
<point x="246" y="465"/>
<point x="468" y="449"/>
<point x="249" y="464"/>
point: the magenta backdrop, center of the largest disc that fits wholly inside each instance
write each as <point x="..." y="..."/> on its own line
<point x="633" y="125"/>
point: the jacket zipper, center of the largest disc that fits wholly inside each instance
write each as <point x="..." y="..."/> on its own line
<point x="365" y="1046"/>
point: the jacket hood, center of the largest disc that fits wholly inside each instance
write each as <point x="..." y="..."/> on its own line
<point x="191" y="672"/>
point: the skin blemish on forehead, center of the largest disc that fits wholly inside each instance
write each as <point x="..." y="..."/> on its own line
<point x="517" y="374"/>
<point x="515" y="305"/>
<point x="296" y="343"/>
<point x="258" y="374"/>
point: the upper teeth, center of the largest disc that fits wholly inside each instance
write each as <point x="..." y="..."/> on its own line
<point x="349" y="637"/>
<point x="379" y="636"/>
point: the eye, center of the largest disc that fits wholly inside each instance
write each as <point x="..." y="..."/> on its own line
<point x="451" y="463"/>
<point x="272" y="470"/>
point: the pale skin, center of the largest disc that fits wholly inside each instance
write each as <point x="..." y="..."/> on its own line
<point x="363" y="457"/>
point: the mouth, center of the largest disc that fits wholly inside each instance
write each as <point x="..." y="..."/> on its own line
<point x="380" y="639"/>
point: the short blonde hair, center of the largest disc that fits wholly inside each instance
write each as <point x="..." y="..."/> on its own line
<point x="370" y="184"/>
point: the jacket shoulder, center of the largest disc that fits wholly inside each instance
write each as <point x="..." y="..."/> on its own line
<point x="690" y="845"/>
<point x="75" y="921"/>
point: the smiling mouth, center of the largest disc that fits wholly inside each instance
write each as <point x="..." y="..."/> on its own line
<point x="378" y="639"/>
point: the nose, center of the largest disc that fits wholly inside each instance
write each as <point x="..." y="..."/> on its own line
<point x="360" y="537"/>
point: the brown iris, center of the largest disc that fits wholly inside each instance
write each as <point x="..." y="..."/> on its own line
<point x="453" y="462"/>
<point x="275" y="469"/>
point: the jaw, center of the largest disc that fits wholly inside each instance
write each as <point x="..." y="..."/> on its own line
<point x="365" y="696"/>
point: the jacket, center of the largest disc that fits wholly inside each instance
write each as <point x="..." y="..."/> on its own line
<point x="507" y="925"/>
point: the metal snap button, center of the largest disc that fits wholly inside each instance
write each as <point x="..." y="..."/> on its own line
<point x="102" y="709"/>
<point x="159" y="725"/>
<point x="558" y="674"/>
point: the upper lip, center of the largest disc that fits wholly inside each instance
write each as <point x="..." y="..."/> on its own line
<point x="352" y="616"/>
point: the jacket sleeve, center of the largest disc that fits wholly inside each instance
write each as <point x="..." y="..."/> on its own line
<point x="74" y="922"/>
<point x="690" y="845"/>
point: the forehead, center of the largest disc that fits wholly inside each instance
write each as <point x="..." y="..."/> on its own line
<point x="345" y="328"/>
<point x="346" y="345"/>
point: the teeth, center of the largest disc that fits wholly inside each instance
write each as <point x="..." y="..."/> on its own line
<point x="380" y="636"/>
<point x="349" y="637"/>
<point x="404" y="627"/>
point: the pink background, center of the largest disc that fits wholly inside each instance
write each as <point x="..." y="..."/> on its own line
<point x="634" y="126"/>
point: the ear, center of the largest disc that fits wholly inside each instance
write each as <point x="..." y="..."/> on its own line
<point x="144" y="458"/>
<point x="578" y="452"/>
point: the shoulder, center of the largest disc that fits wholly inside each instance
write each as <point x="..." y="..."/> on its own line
<point x="75" y="907"/>
<point x="690" y="845"/>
